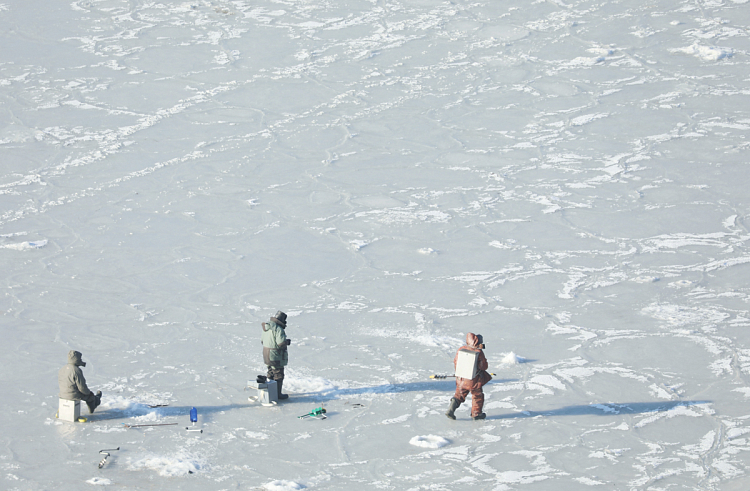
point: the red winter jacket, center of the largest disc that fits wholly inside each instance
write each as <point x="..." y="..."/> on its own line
<point x="472" y="344"/>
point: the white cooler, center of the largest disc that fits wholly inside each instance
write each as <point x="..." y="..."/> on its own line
<point x="69" y="410"/>
<point x="267" y="391"/>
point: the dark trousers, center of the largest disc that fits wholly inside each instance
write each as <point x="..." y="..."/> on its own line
<point x="91" y="401"/>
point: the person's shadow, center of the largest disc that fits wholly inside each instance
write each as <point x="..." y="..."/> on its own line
<point x="608" y="409"/>
<point x="317" y="397"/>
<point x="447" y="385"/>
<point x="320" y="397"/>
<point x="137" y="409"/>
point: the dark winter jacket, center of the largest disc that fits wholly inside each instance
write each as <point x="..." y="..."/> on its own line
<point x="274" y="345"/>
<point x="71" y="380"/>
<point x="472" y="344"/>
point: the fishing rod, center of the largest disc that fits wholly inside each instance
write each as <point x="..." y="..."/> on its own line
<point x="127" y="425"/>
<point x="439" y="377"/>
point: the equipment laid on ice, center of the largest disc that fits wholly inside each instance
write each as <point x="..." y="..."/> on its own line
<point x="268" y="394"/>
<point x="69" y="410"/>
<point x="466" y="363"/>
<point x="106" y="455"/>
<point x="127" y="425"/>
<point x="193" y="419"/>
<point x="439" y="377"/>
<point x="318" y="413"/>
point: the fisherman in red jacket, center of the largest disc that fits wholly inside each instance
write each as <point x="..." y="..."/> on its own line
<point x="471" y="374"/>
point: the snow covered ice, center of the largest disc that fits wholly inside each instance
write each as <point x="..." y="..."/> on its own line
<point x="567" y="178"/>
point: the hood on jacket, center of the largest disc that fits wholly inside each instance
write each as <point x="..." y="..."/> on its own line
<point x="279" y="319"/>
<point x="474" y="340"/>
<point x="76" y="358"/>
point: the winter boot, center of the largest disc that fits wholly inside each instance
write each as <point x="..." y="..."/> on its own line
<point x="452" y="408"/>
<point x="281" y="396"/>
<point x="479" y="416"/>
<point x="94" y="402"/>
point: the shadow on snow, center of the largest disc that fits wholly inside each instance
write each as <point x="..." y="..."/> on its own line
<point x="335" y="393"/>
<point x="609" y="409"/>
<point x="329" y="394"/>
<point x="160" y="412"/>
<point x="139" y="409"/>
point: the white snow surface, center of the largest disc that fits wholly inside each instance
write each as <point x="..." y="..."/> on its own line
<point x="568" y="179"/>
<point x="429" y="441"/>
<point x="281" y="485"/>
<point x="99" y="481"/>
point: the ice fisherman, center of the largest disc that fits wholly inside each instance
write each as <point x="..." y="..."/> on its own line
<point x="73" y="384"/>
<point x="275" y="354"/>
<point x="470" y="360"/>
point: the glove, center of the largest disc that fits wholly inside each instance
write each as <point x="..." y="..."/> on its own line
<point x="288" y="342"/>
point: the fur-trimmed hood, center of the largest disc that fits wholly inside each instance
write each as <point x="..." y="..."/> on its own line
<point x="474" y="340"/>
<point x="76" y="358"/>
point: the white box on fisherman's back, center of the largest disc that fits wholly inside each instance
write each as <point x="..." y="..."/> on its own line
<point x="466" y="364"/>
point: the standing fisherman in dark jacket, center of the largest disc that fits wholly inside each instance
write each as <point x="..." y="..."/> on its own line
<point x="275" y="355"/>
<point x="474" y="344"/>
<point x="73" y="384"/>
